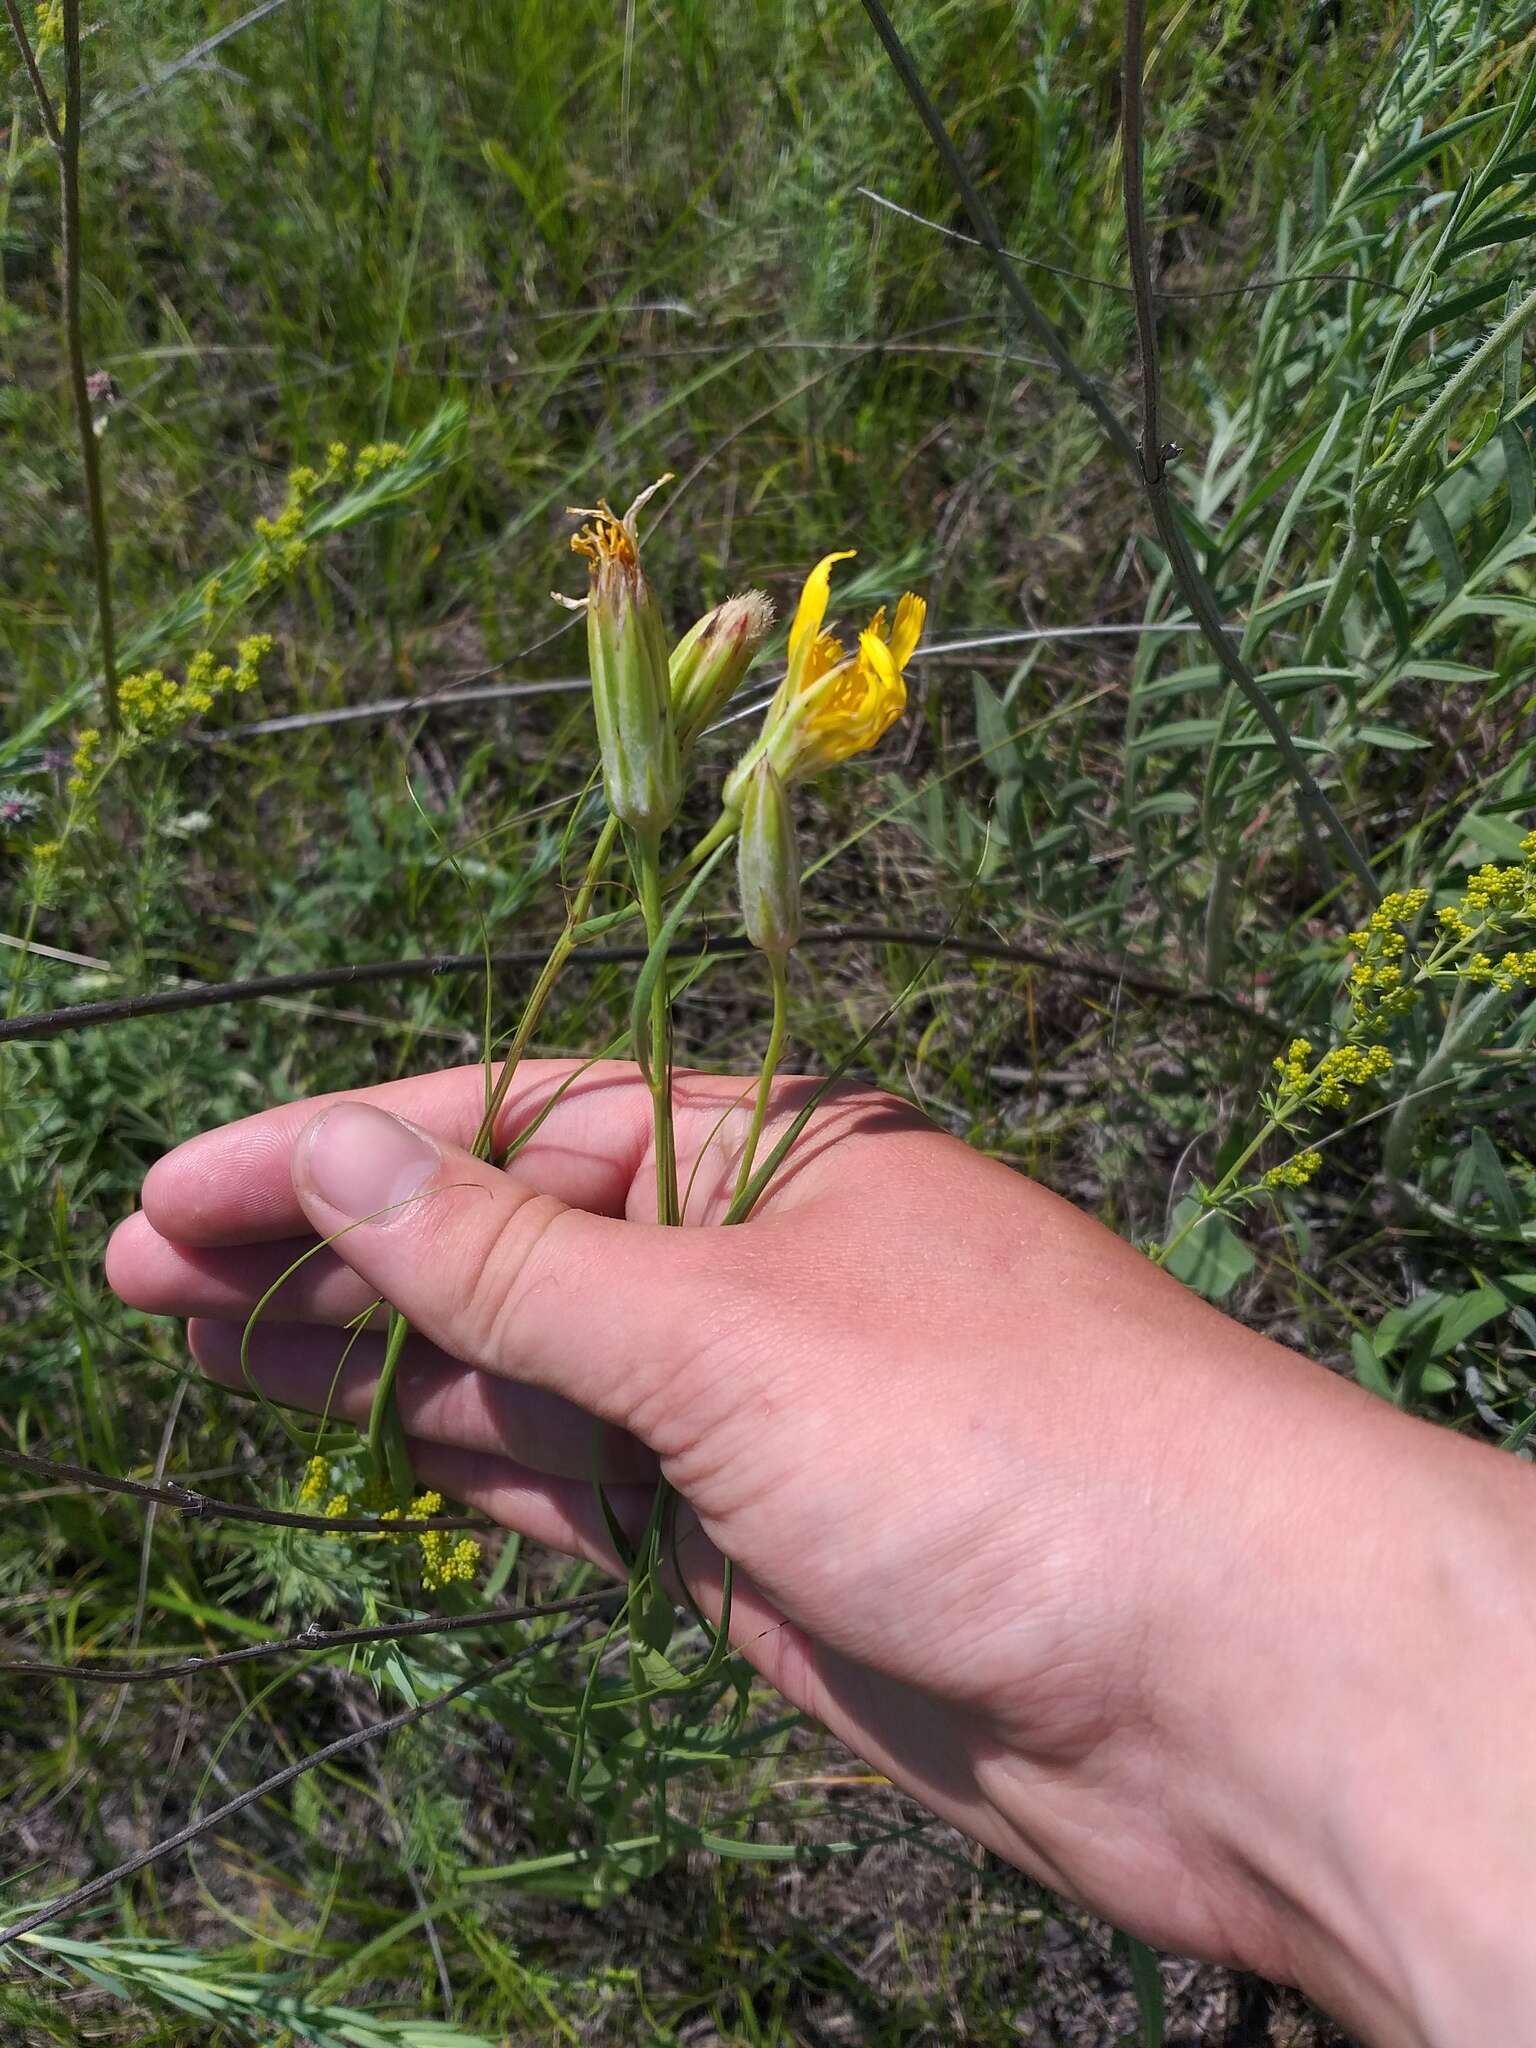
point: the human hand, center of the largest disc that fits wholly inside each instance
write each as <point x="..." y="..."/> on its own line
<point x="1111" y="1583"/>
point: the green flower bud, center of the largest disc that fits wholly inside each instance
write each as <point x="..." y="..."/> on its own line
<point x="768" y="863"/>
<point x="713" y="656"/>
<point x="631" y="693"/>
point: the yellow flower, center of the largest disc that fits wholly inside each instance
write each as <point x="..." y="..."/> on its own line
<point x="832" y="704"/>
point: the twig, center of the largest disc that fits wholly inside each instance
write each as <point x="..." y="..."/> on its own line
<point x="70" y="254"/>
<point x="1113" y="284"/>
<point x="187" y="60"/>
<point x="99" y="1887"/>
<point x="1187" y="574"/>
<point x="306" y="1639"/>
<point x="1153" y="459"/>
<point x="29" y="59"/>
<point x="1030" y="311"/>
<point x="473" y="689"/>
<point x="203" y="1506"/>
<point x="163" y="1002"/>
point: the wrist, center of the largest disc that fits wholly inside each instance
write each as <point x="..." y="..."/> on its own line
<point x="1371" y="1709"/>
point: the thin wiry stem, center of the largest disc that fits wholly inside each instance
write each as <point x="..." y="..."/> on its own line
<point x="40" y="90"/>
<point x="1150" y="461"/>
<point x="162" y="1002"/>
<point x="204" y="1507"/>
<point x="74" y="338"/>
<point x="1113" y="284"/>
<point x="306" y="1639"/>
<point x="1030" y="311"/>
<point x="375" y="1731"/>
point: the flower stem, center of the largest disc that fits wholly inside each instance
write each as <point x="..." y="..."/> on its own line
<point x="778" y="967"/>
<point x="646" y="860"/>
<point x="543" y="988"/>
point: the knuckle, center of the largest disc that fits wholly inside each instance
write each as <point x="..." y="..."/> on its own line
<point x="507" y="1264"/>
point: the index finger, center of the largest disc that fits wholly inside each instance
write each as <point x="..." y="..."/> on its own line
<point x="234" y="1185"/>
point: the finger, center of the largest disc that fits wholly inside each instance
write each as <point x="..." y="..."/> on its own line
<point x="618" y="1317"/>
<point x="235" y="1185"/>
<point x="439" y="1399"/>
<point x="314" y="1285"/>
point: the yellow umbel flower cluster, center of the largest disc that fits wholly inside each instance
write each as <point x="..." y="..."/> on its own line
<point x="1331" y="1081"/>
<point x="155" y="705"/>
<point x="1514" y="970"/>
<point x="445" y="1560"/>
<point x="1294" y="1172"/>
<point x="283" y="536"/>
<point x="48" y="25"/>
<point x="1345" y="1068"/>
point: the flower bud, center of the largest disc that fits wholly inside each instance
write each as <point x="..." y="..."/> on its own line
<point x="631" y="694"/>
<point x="713" y="656"/>
<point x="768" y="863"/>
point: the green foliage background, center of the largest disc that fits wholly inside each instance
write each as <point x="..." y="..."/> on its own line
<point x="613" y="242"/>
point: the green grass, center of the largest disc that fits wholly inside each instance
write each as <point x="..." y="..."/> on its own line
<point x="625" y="244"/>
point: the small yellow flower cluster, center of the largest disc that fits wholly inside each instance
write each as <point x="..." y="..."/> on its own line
<point x="83" y="761"/>
<point x="1294" y="1172"/>
<point x="1493" y="890"/>
<point x="1292" y="1066"/>
<point x="1342" y="1068"/>
<point x="1515" y="970"/>
<point x="1376" y="988"/>
<point x="47" y="851"/>
<point x="154" y="705"/>
<point x="444" y="1560"/>
<point x="1347" y="1067"/>
<point x="317" y="1477"/>
<point x="374" y="457"/>
<point x="48" y="30"/>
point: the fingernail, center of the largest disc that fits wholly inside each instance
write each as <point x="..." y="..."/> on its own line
<point x="361" y="1160"/>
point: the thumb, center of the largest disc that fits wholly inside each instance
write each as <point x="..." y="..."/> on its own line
<point x="610" y="1314"/>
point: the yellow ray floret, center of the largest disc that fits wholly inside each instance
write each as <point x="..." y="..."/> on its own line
<point x="833" y="704"/>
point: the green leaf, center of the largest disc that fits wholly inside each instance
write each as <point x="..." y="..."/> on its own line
<point x="1369" y="1370"/>
<point x="1421" y="151"/>
<point x="1213" y="1258"/>
<point x="1447" y="311"/>
<point x="1390" y="737"/>
<point x="1481" y="1168"/>
<point x="1147" y="1982"/>
<point x="1393" y="604"/>
<point x="1489" y="237"/>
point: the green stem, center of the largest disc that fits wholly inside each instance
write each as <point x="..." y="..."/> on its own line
<point x="543" y="988"/>
<point x="721" y="833"/>
<point x="387" y="1453"/>
<point x="646" y="860"/>
<point x="778" y="967"/>
<point x="1223" y="1187"/>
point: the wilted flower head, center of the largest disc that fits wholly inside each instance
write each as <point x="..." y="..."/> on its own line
<point x="627" y="654"/>
<point x="833" y="704"/>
